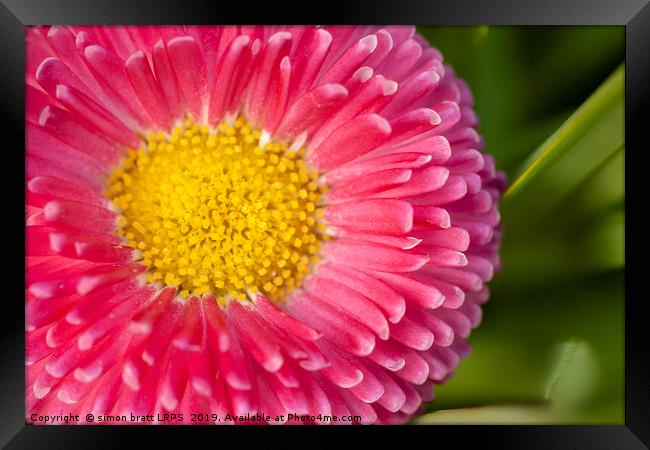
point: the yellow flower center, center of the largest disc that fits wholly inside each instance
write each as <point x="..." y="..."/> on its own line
<point x="213" y="211"/>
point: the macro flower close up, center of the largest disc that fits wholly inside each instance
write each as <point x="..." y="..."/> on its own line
<point x="240" y="220"/>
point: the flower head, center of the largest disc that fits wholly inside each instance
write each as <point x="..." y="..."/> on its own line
<point x="250" y="219"/>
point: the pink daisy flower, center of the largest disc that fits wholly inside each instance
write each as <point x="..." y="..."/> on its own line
<point x="241" y="220"/>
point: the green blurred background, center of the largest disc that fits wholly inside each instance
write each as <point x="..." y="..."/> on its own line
<point x="550" y="348"/>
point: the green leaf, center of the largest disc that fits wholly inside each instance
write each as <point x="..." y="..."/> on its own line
<point x="582" y="235"/>
<point x="490" y="415"/>
<point x="513" y="147"/>
<point x="591" y="135"/>
<point x="574" y="377"/>
<point x="525" y="78"/>
<point x="604" y="191"/>
<point x="549" y="347"/>
<point x="563" y="215"/>
<point x="521" y="414"/>
<point x="516" y="351"/>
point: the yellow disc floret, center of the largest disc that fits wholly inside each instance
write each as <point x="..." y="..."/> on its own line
<point x="212" y="211"/>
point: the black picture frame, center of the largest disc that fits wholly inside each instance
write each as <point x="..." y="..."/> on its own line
<point x="633" y="14"/>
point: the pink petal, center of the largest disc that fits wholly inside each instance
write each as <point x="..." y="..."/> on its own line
<point x="148" y="90"/>
<point x="189" y="66"/>
<point x="373" y="257"/>
<point x="376" y="216"/>
<point x="357" y="137"/>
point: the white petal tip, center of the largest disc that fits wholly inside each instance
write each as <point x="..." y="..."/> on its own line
<point x="390" y="87"/>
<point x="273" y="364"/>
<point x="147" y="358"/>
<point x="65" y="397"/>
<point x="355" y="382"/>
<point x="40" y="392"/>
<point x="202" y="387"/>
<point x="87" y="284"/>
<point x="370" y="41"/>
<point x="363" y="74"/>
<point x="84" y="342"/>
<point x="87" y="375"/>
